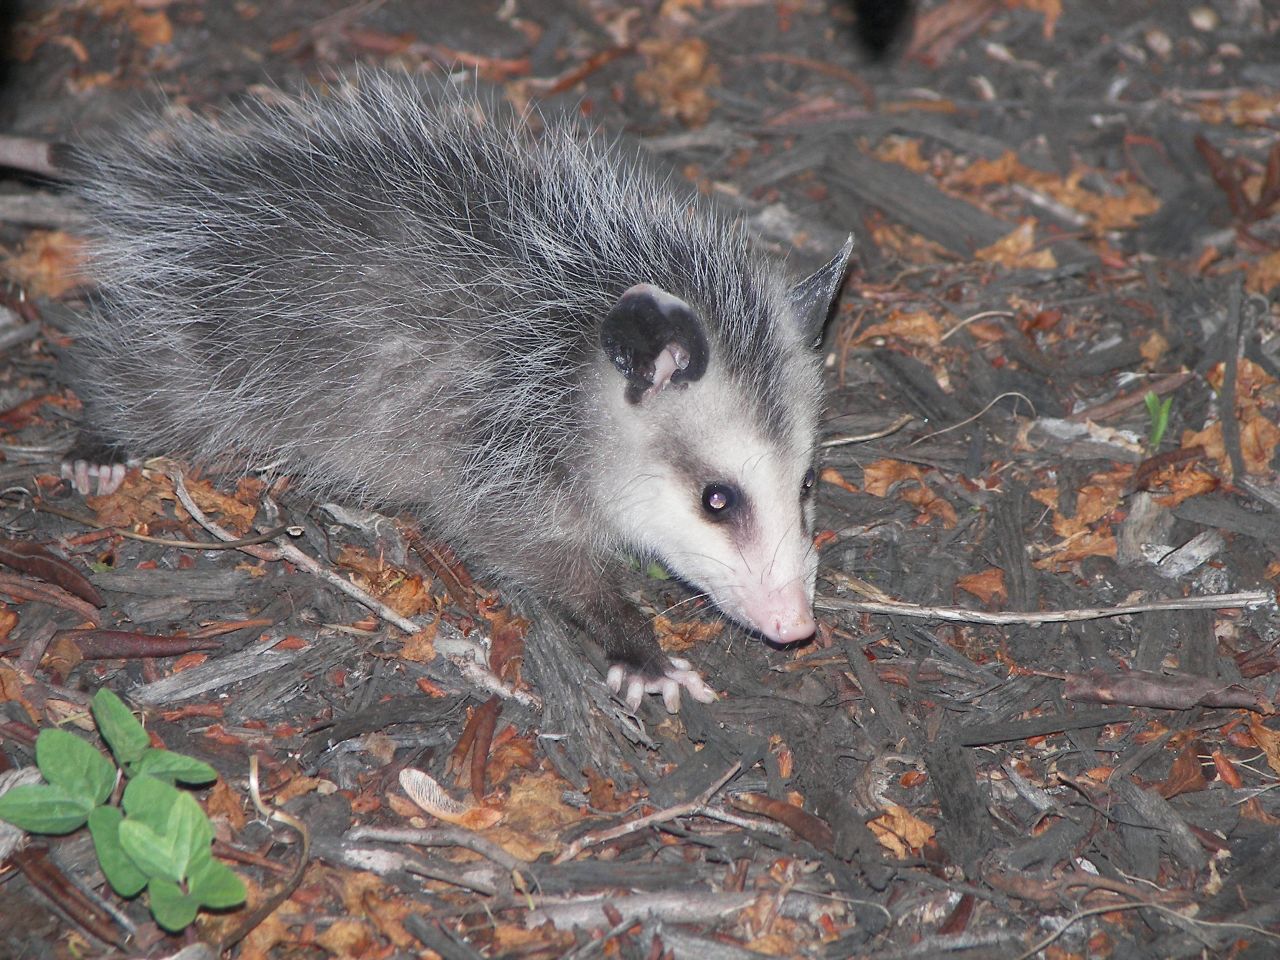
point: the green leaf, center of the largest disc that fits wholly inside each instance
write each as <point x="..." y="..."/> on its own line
<point x="1158" y="412"/>
<point x="190" y="827"/>
<point x="155" y="854"/>
<point x="165" y="830"/>
<point x="149" y="800"/>
<point x="41" y="808"/>
<point x="173" y="909"/>
<point x="121" y="872"/>
<point x="70" y="762"/>
<point x="215" y="885"/>
<point x="119" y="727"/>
<point x="171" y="767"/>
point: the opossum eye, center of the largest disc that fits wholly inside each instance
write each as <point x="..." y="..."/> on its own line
<point x="807" y="483"/>
<point x="719" y="499"/>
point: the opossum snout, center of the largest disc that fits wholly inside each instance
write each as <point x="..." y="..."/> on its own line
<point x="784" y="615"/>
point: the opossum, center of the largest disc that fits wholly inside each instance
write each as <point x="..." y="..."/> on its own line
<point x="553" y="356"/>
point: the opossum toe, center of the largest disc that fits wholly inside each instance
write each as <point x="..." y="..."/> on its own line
<point x="685" y="676"/>
<point x="679" y="675"/>
<point x="617" y="673"/>
<point x="94" y="479"/>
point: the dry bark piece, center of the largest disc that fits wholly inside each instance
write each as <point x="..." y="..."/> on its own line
<point x="35" y="560"/>
<point x="1166" y="691"/>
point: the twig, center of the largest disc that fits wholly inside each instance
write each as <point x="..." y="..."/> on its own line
<point x="661" y="816"/>
<point x="1008" y="314"/>
<point x="282" y="550"/>
<point x="232" y="544"/>
<point x="1134" y="398"/>
<point x="990" y="403"/>
<point x="1230" y="365"/>
<point x="892" y="428"/>
<point x="439" y="836"/>
<point x="1248" y="599"/>
<point x="1141" y="905"/>
<point x="287" y="551"/>
<point x="281" y="895"/>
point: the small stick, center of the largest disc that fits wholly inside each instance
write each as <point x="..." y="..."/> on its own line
<point x="287" y="551"/>
<point x="1217" y="601"/>
<point x="474" y="672"/>
<point x="661" y="816"/>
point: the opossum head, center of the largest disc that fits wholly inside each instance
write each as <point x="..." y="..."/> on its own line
<point x="712" y="467"/>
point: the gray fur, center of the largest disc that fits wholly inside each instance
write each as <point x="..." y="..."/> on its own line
<point x="396" y="298"/>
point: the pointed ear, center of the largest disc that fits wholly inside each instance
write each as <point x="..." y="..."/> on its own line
<point x="654" y="339"/>
<point x="813" y="297"/>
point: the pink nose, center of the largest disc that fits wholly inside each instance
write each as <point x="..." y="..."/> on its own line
<point x="800" y="627"/>
<point x="784" y="615"/>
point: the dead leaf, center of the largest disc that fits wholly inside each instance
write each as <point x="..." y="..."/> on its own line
<point x="903" y="151"/>
<point x="506" y="641"/>
<point x="378" y="904"/>
<point x="1263" y="274"/>
<point x="680" y="637"/>
<point x="13" y="690"/>
<point x="509" y="753"/>
<point x="223" y="803"/>
<point x="1153" y="349"/>
<point x="405" y="593"/>
<point x="35" y="560"/>
<point x="833" y="476"/>
<point x="901" y="832"/>
<point x="1088" y="543"/>
<point x="49" y="265"/>
<point x="1259" y="437"/>
<point x="1253" y="382"/>
<point x="419" y="646"/>
<point x="1186" y="775"/>
<point x="677" y="79"/>
<point x="930" y="505"/>
<point x="987" y="586"/>
<point x="1267" y="740"/>
<point x="1182" y="482"/>
<point x="298" y="786"/>
<point x="535" y="816"/>
<point x="604" y="795"/>
<point x="1256" y="108"/>
<point x="880" y="476"/>
<point x="1120" y="208"/>
<point x="917" y="328"/>
<point x="1017" y="250"/>
<point x="1051" y="10"/>
<point x="801" y="822"/>
<point x="8" y="620"/>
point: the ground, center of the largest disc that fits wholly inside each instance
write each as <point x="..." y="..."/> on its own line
<point x="1038" y="719"/>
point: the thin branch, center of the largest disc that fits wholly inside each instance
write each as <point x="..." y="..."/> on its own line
<point x="1248" y="599"/>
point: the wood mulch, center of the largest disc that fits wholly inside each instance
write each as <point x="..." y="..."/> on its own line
<point x="1039" y="718"/>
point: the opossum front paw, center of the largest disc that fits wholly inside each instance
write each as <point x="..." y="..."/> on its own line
<point x="679" y="673"/>
<point x="94" y="479"/>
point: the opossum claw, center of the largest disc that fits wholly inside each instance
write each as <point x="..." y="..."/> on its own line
<point x="94" y="479"/>
<point x="678" y="674"/>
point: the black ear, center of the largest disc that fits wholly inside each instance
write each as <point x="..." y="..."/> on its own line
<point x="813" y="297"/>
<point x="654" y="339"/>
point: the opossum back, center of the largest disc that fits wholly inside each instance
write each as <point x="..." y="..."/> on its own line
<point x="394" y="296"/>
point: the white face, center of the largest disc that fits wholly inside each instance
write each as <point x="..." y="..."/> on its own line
<point x="722" y="505"/>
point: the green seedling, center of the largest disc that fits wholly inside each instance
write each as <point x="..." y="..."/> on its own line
<point x="1158" y="411"/>
<point x="157" y="838"/>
